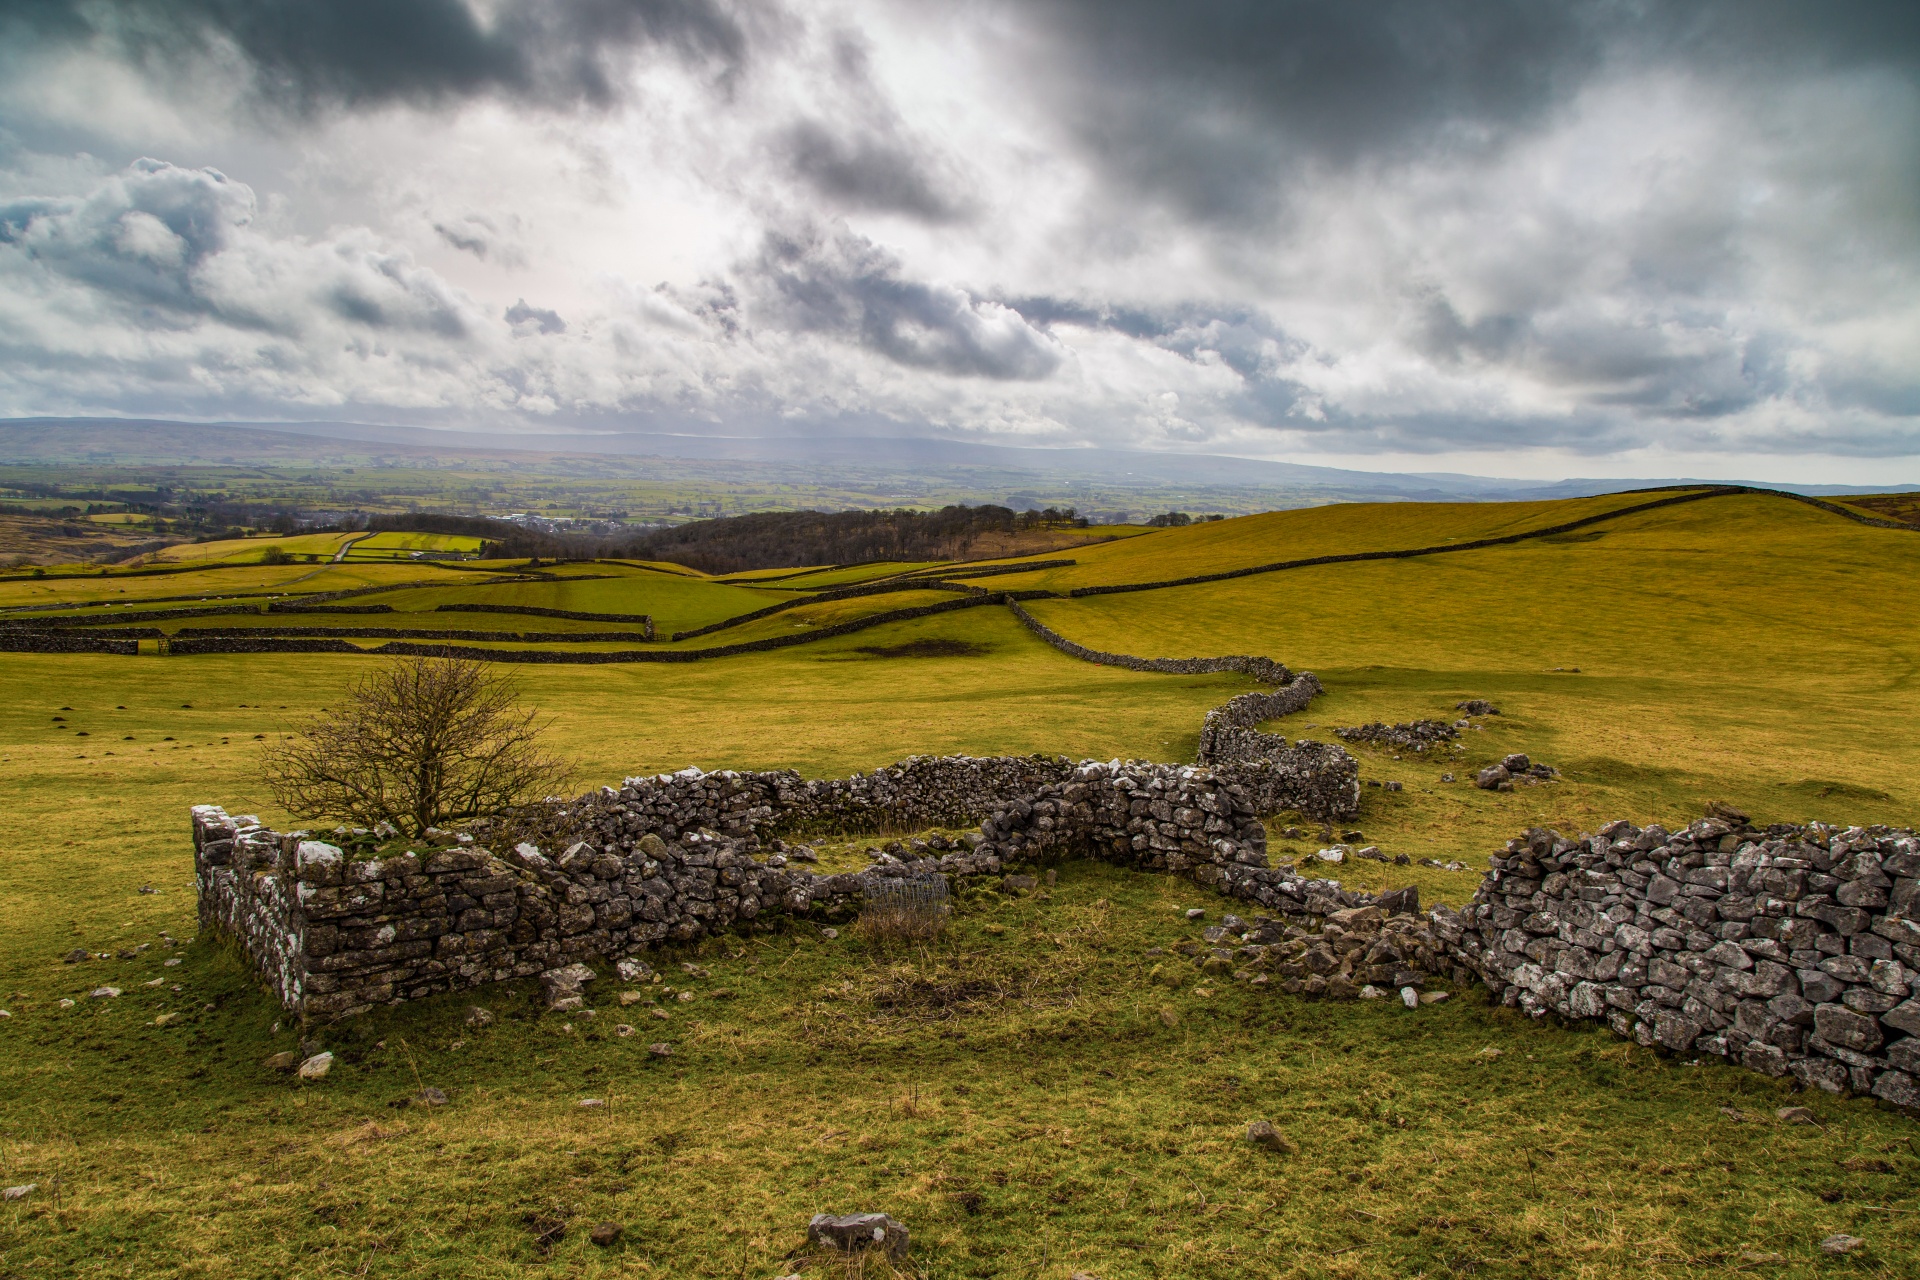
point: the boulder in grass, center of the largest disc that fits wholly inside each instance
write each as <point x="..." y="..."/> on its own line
<point x="1492" y="777"/>
<point x="561" y="989"/>
<point x="855" y="1232"/>
<point x="1262" y="1134"/>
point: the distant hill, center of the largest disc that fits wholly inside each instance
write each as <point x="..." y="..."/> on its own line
<point x="998" y="469"/>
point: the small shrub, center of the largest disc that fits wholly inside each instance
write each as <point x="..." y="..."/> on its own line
<point x="904" y="910"/>
<point x="419" y="743"/>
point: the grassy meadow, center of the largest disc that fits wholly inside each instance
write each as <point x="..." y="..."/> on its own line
<point x="1039" y="1094"/>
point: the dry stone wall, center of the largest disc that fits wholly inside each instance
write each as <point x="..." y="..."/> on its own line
<point x="409" y="633"/>
<point x="675" y="857"/>
<point x="26" y="641"/>
<point x="1790" y="950"/>
<point x="1265" y="670"/>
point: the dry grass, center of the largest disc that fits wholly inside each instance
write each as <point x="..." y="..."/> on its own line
<point x="904" y="912"/>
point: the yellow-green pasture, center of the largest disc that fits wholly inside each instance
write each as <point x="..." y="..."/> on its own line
<point x="1041" y="1094"/>
<point x="1336" y="529"/>
<point x="401" y="546"/>
<point x="242" y="550"/>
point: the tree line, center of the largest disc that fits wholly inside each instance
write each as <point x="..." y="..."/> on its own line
<point x="763" y="540"/>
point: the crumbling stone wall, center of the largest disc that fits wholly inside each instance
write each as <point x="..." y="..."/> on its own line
<point x="1229" y="733"/>
<point x="1791" y="950"/>
<point x="675" y="857"/>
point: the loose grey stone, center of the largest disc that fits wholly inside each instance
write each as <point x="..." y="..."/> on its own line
<point x="1261" y="1133"/>
<point x="853" y="1232"/>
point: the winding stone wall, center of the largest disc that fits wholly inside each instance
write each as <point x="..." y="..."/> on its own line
<point x="1791" y="950"/>
<point x="1262" y="669"/>
<point x="1229" y="733"/>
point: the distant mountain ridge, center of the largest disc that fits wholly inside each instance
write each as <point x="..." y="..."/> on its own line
<point x="130" y="441"/>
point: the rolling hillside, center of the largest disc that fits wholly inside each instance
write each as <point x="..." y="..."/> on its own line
<point x="1743" y="647"/>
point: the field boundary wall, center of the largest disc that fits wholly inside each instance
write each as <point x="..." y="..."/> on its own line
<point x="1262" y="669"/>
<point x="536" y="611"/>
<point x="1791" y="950"/>
<point x="1409" y="553"/>
<point x="824" y="597"/>
<point x="413" y="633"/>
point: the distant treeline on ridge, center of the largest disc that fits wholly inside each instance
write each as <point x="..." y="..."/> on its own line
<point x="764" y="540"/>
<point x="790" y="539"/>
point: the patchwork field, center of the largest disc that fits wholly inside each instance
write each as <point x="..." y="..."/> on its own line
<point x="1022" y="1094"/>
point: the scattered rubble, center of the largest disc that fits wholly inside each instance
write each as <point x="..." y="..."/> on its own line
<point x="1515" y="768"/>
<point x="1417" y="736"/>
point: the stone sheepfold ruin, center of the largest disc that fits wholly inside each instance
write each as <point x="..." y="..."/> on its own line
<point x="1790" y="950"/>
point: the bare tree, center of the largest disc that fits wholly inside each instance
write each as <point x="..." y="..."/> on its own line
<point x="419" y="743"/>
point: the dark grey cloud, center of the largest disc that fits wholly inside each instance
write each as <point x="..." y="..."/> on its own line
<point x="526" y="319"/>
<point x="1416" y="225"/>
<point x="468" y="235"/>
<point x="1216" y="105"/>
<point x="310" y="53"/>
<point x="865" y="169"/>
<point x="845" y="286"/>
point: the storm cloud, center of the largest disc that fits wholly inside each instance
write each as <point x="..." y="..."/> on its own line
<point x="308" y="53"/>
<point x="1501" y="230"/>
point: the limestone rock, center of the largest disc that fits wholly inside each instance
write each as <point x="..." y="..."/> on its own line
<point x="1262" y="1134"/>
<point x="316" y="1067"/>
<point x="1840" y="1243"/>
<point x="606" y="1234"/>
<point x="853" y="1232"/>
<point x="561" y="990"/>
<point x="478" y="1017"/>
<point x="631" y="970"/>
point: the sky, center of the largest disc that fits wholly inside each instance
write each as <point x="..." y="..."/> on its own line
<point x="1509" y="237"/>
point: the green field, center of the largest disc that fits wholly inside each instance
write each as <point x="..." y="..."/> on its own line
<point x="405" y="546"/>
<point x="1070" y="1114"/>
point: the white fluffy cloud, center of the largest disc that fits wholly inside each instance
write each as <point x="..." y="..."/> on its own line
<point x="1403" y="231"/>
